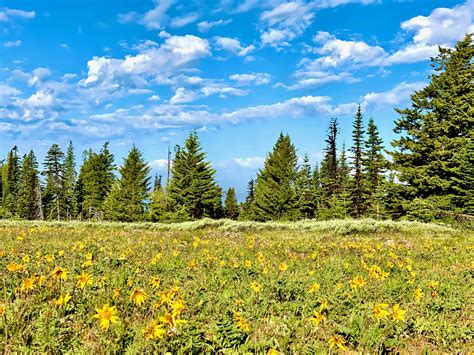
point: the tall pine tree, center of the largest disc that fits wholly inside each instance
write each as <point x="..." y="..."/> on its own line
<point x="70" y="182"/>
<point x="54" y="197"/>
<point x="10" y="182"/>
<point x="329" y="165"/>
<point x="358" y="156"/>
<point x="29" y="201"/>
<point x="231" y="206"/>
<point x="305" y="190"/>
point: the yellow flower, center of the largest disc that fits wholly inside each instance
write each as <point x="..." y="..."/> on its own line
<point x="14" y="267"/>
<point x="418" y="294"/>
<point x="49" y="258"/>
<point x="357" y="282"/>
<point x="323" y="305"/>
<point x="272" y="352"/>
<point x="117" y="291"/>
<point x="317" y="318"/>
<point x="28" y="284"/>
<point x="3" y="309"/>
<point x="61" y="253"/>
<point x="433" y="284"/>
<point x="241" y="322"/>
<point x="170" y="320"/>
<point x="398" y="314"/>
<point x="59" y="273"/>
<point x="192" y="265"/>
<point x="26" y="258"/>
<point x="282" y="267"/>
<point x="138" y="296"/>
<point x="62" y="300"/>
<point x="155" y="282"/>
<point x="314" y="288"/>
<point x="84" y="279"/>
<point x="106" y="315"/>
<point x="153" y="331"/>
<point x="380" y="311"/>
<point x="256" y="287"/>
<point x="338" y="341"/>
<point x="178" y="307"/>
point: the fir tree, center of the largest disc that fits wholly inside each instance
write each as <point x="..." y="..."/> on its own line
<point x="70" y="181"/>
<point x="305" y="190"/>
<point x="275" y="191"/>
<point x="157" y="183"/>
<point x="29" y="203"/>
<point x="10" y="182"/>
<point x="317" y="191"/>
<point x="344" y="180"/>
<point x="126" y="200"/>
<point x="193" y="186"/>
<point x="468" y="177"/>
<point x="329" y="166"/>
<point x="357" y="150"/>
<point x="54" y="193"/>
<point x="436" y="129"/>
<point x="246" y="208"/>
<point x="231" y="206"/>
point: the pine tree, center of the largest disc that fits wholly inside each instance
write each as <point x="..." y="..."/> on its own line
<point x="357" y="150"/>
<point x="54" y="197"/>
<point x="29" y="206"/>
<point x="275" y="191"/>
<point x="95" y="181"/>
<point x="468" y="177"/>
<point x="157" y="183"/>
<point x="305" y="190"/>
<point x="126" y="200"/>
<point x="436" y="129"/>
<point x="344" y="181"/>
<point x="70" y="182"/>
<point x="374" y="168"/>
<point x="231" y="206"/>
<point x="193" y="186"/>
<point x="246" y="207"/>
<point x="317" y="190"/>
<point x="10" y="182"/>
<point x="329" y="166"/>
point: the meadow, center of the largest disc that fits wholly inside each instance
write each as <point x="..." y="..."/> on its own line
<point x="246" y="287"/>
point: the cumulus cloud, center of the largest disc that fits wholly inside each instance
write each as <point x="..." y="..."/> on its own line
<point x="250" y="162"/>
<point x="206" y="26"/>
<point x="7" y="92"/>
<point x="7" y="14"/>
<point x="154" y="19"/>
<point x="38" y="75"/>
<point x="9" y="44"/>
<point x="391" y="98"/>
<point x="251" y="79"/>
<point x="233" y="45"/>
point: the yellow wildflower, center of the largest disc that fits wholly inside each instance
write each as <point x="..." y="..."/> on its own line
<point x="3" y="309"/>
<point x="28" y="284"/>
<point x="155" y="282"/>
<point x="380" y="311"/>
<point x="106" y="315"/>
<point x="256" y="287"/>
<point x="241" y="322"/>
<point x="338" y="341"/>
<point x="62" y="300"/>
<point x="398" y="314"/>
<point x="357" y="282"/>
<point x="282" y="267"/>
<point x="418" y="294"/>
<point x="138" y="296"/>
<point x="84" y="279"/>
<point x="14" y="267"/>
<point x="317" y="318"/>
<point x="153" y="331"/>
<point x="170" y="320"/>
<point x="314" y="288"/>
<point x="117" y="291"/>
<point x="59" y="273"/>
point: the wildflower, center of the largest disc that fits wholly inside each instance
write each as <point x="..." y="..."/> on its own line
<point x="247" y="264"/>
<point x="62" y="300"/>
<point x="338" y="341"/>
<point x="28" y="284"/>
<point x="39" y="279"/>
<point x="155" y="282"/>
<point x="260" y="257"/>
<point x="433" y="285"/>
<point x="106" y="315"/>
<point x="282" y="267"/>
<point x="192" y="265"/>
<point x="14" y="267"/>
<point x="84" y="279"/>
<point x="357" y="282"/>
<point x="380" y="311"/>
<point x="418" y="294"/>
<point x="177" y="306"/>
<point x="241" y="322"/>
<point x="323" y="305"/>
<point x="138" y="296"/>
<point x="377" y="273"/>
<point x="398" y="314"/>
<point x="171" y="320"/>
<point x="59" y="273"/>
<point x="61" y="253"/>
<point x="49" y="258"/>
<point x="117" y="291"/>
<point x="26" y="258"/>
<point x="101" y="281"/>
<point x="272" y="352"/>
<point x="314" y="288"/>
<point x="317" y="318"/>
<point x="3" y="309"/>
<point x="256" y="287"/>
<point x="153" y="331"/>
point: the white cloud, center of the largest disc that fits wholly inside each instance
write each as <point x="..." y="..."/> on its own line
<point x="251" y="79"/>
<point x="391" y="98"/>
<point x="38" y="75"/>
<point x="178" y="22"/>
<point x="7" y="15"/>
<point x="154" y="19"/>
<point x="9" y="44"/>
<point x="182" y="95"/>
<point x="312" y="78"/>
<point x="233" y="45"/>
<point x="154" y="98"/>
<point x="250" y="162"/>
<point x="159" y="163"/>
<point x="7" y="92"/>
<point x="206" y="26"/>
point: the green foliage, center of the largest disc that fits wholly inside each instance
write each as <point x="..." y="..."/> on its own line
<point x="305" y="190"/>
<point x="329" y="167"/>
<point x="246" y="207"/>
<point x="126" y="200"/>
<point x="70" y="182"/>
<point x="275" y="192"/>
<point x="193" y="184"/>
<point x="29" y="191"/>
<point x="358" y="187"/>
<point x="54" y="197"/>
<point x="10" y="182"/>
<point x="436" y="129"/>
<point x="231" y="206"/>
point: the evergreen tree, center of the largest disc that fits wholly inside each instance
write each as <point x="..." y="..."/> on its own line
<point x="436" y="129"/>
<point x="468" y="177"/>
<point x="157" y="183"/>
<point x="317" y="191"/>
<point x="126" y="200"/>
<point x="70" y="181"/>
<point x="29" y="203"/>
<point x="95" y="181"/>
<point x="193" y="186"/>
<point x="329" y="166"/>
<point x="357" y="150"/>
<point x="275" y="191"/>
<point x="54" y="197"/>
<point x="374" y="167"/>
<point x="10" y="182"/>
<point x="246" y="208"/>
<point x="305" y="190"/>
<point x="344" y="181"/>
<point x="231" y="206"/>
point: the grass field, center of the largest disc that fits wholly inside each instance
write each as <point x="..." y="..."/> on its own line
<point x="236" y="287"/>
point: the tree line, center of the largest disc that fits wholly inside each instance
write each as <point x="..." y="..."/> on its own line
<point x="428" y="175"/>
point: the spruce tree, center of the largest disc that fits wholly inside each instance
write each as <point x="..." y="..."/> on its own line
<point x="329" y="165"/>
<point x="468" y="177"/>
<point x="127" y="198"/>
<point x="317" y="190"/>
<point x="275" y="191"/>
<point x="305" y="190"/>
<point x="54" y="197"/>
<point x="10" y="182"/>
<point x="246" y="207"/>
<point x="231" y="206"/>
<point x="70" y="182"/>
<point x="358" y="192"/>
<point x="435" y="130"/>
<point x="29" y="203"/>
<point x="193" y="186"/>
<point x="344" y="181"/>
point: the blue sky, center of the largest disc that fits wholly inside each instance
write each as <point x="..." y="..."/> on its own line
<point x="238" y="71"/>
